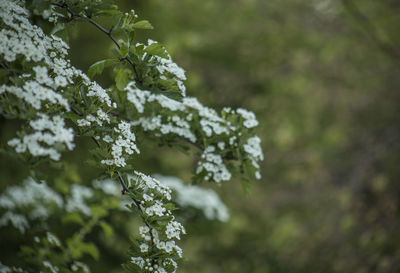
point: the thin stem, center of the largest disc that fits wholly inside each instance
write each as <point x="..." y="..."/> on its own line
<point x="74" y="14"/>
<point x="102" y="29"/>
<point x="75" y="111"/>
<point x="107" y="32"/>
<point x="125" y="188"/>
<point x="133" y="67"/>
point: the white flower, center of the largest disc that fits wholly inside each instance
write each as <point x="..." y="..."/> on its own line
<point x="53" y="239"/>
<point x="144" y="247"/>
<point x="138" y="261"/>
<point x="76" y="202"/>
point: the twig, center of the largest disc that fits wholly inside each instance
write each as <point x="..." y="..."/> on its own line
<point x="125" y="188"/>
<point x="102" y="29"/>
<point x="76" y="112"/>
<point x="74" y="14"/>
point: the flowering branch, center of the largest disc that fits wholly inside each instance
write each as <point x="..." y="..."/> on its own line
<point x="73" y="15"/>
<point x="50" y="95"/>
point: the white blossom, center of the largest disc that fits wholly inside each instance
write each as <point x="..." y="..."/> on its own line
<point x="153" y="194"/>
<point x="76" y="202"/>
<point x="44" y="85"/>
<point x="47" y="131"/>
<point x="144" y="247"/>
<point x="138" y="261"/>
<point x="214" y="165"/>
<point x="51" y="267"/>
<point x="53" y="239"/>
<point x="17" y="220"/>
<point x="197" y="197"/>
<point x="30" y="195"/>
<point x="123" y="143"/>
<point x="175" y="118"/>
<point x="254" y="152"/>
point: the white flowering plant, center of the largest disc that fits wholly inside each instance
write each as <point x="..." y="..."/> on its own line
<point x="55" y="105"/>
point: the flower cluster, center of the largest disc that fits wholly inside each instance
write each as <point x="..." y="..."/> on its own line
<point x="47" y="73"/>
<point x="254" y="153"/>
<point x="189" y="119"/>
<point x="41" y="201"/>
<point x="124" y="142"/>
<point x="213" y="165"/>
<point x="249" y="118"/>
<point x="40" y="198"/>
<point x="35" y="93"/>
<point x="168" y="265"/>
<point x="174" y="125"/>
<point x="160" y="227"/>
<point x="166" y="67"/>
<point x="100" y="117"/>
<point x="197" y="197"/>
<point x="46" y="244"/>
<point x="7" y="269"/>
<point x="47" y="131"/>
<point x="77" y="200"/>
<point x="45" y="91"/>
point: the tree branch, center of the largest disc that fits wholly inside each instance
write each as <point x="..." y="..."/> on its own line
<point x="125" y="188"/>
<point x="73" y="15"/>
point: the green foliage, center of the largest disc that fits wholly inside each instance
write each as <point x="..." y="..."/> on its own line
<point x="143" y="24"/>
<point x="122" y="78"/>
<point x="157" y="49"/>
<point x="98" y="67"/>
<point x="323" y="81"/>
<point x="325" y="92"/>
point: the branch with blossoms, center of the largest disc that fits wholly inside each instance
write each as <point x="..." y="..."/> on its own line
<point x="57" y="102"/>
<point x="73" y="15"/>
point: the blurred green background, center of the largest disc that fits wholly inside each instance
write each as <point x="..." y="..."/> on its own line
<point x="323" y="78"/>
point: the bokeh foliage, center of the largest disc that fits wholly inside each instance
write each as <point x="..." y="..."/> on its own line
<point x="323" y="79"/>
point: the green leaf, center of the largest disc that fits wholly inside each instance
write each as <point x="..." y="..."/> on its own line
<point x="98" y="67"/>
<point x="144" y="24"/>
<point x="124" y="48"/>
<point x="157" y="49"/>
<point x="111" y="203"/>
<point x="122" y="79"/>
<point x="131" y="267"/>
<point x="134" y="249"/>
<point x="38" y="176"/>
<point x="57" y="165"/>
<point x="90" y="249"/>
<point x="246" y="185"/>
<point x="4" y="74"/>
<point x="170" y="206"/>
<point x="108" y="230"/>
<point x="78" y="248"/>
<point x="98" y="211"/>
<point x="27" y="251"/>
<point x="116" y="52"/>
<point x="108" y="12"/>
<point x="58" y="28"/>
<point x="73" y="218"/>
